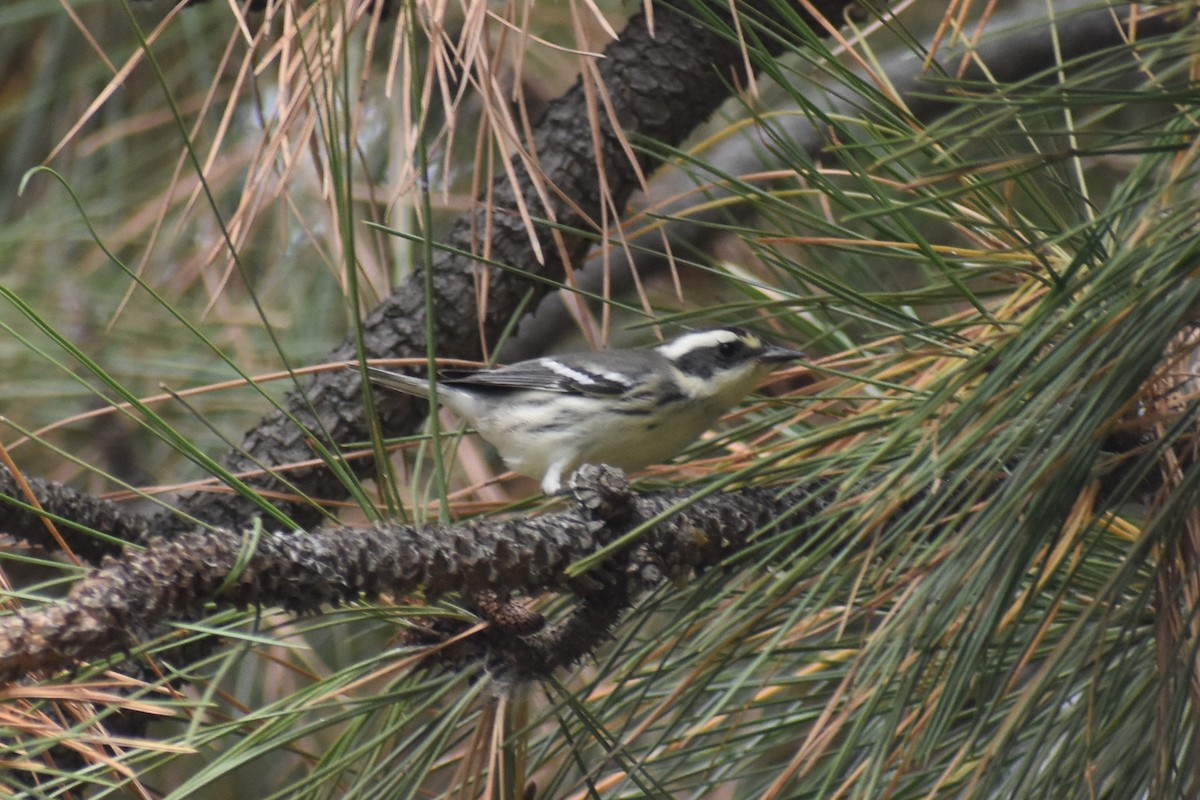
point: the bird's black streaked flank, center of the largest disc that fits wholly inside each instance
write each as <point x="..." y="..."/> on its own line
<point x="627" y="408"/>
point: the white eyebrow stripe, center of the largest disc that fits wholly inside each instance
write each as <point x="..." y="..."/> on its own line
<point x="694" y="341"/>
<point x="567" y="372"/>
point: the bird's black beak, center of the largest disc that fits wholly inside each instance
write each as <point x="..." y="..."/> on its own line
<point x="777" y="355"/>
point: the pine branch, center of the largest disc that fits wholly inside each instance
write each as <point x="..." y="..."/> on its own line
<point x="195" y="573"/>
<point x="19" y="519"/>
<point x="928" y="91"/>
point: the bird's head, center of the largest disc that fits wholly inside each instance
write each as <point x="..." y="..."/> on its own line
<point x="724" y="362"/>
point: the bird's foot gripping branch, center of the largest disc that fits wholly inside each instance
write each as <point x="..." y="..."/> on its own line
<point x="204" y="571"/>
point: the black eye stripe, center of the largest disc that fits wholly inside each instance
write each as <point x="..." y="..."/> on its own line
<point x="705" y="361"/>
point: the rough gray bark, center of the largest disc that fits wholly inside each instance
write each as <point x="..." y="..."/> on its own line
<point x="84" y="511"/>
<point x="176" y="578"/>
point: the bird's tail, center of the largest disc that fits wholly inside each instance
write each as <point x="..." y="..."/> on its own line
<point x="418" y="387"/>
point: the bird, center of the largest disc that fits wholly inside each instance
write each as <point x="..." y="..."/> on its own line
<point x="625" y="408"/>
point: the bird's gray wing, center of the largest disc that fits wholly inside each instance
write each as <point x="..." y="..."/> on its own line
<point x="598" y="374"/>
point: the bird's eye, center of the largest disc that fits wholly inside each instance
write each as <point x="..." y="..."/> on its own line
<point x="729" y="349"/>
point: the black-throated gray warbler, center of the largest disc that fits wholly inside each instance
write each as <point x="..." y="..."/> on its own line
<point x="626" y="408"/>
